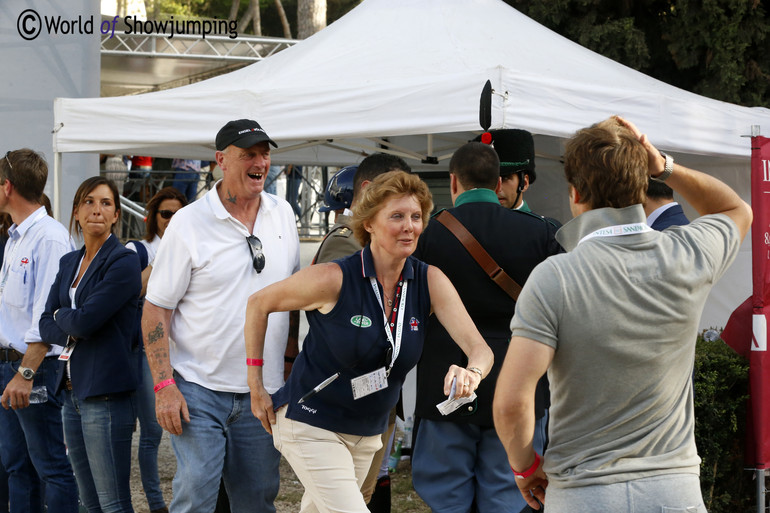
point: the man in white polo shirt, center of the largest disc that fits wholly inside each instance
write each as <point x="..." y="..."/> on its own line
<point x="215" y="253"/>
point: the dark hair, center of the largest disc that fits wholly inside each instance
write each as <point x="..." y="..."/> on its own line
<point x="659" y="190"/>
<point x="382" y="188"/>
<point x="5" y="223"/>
<point x="476" y="165"/>
<point x="46" y="202"/>
<point x="375" y="165"/>
<point x="607" y="165"/>
<point x="166" y="193"/>
<point x="27" y="172"/>
<point x="88" y="185"/>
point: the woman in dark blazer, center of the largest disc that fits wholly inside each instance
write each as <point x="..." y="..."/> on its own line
<point x="91" y="310"/>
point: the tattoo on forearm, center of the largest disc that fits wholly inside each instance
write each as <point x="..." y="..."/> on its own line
<point x="230" y="197"/>
<point x="155" y="334"/>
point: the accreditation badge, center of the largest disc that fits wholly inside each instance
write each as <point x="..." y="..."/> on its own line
<point x="369" y="383"/>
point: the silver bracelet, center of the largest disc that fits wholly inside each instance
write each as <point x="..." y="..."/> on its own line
<point x="477" y="371"/>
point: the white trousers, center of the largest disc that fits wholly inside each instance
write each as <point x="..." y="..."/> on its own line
<point x="331" y="466"/>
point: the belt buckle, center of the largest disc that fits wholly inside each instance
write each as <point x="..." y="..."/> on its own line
<point x="8" y="354"/>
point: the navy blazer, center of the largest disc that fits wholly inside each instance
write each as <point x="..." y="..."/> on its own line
<point x="672" y="216"/>
<point x="104" y="322"/>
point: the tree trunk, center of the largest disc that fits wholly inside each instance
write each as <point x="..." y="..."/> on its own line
<point x="234" y="10"/>
<point x="311" y="17"/>
<point x="257" y="17"/>
<point x="251" y="13"/>
<point x="284" y="19"/>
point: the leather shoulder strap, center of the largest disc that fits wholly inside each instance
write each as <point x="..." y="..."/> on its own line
<point x="480" y="255"/>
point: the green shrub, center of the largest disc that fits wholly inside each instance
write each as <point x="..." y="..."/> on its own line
<point x="721" y="392"/>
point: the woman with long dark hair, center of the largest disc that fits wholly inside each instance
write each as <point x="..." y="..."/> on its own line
<point x="160" y="209"/>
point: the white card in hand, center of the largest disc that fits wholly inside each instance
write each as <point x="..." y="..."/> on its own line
<point x="451" y="404"/>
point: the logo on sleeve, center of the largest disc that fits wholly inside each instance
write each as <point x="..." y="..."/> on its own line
<point x="360" y="321"/>
<point x="414" y="324"/>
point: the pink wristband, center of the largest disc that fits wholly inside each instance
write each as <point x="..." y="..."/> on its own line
<point x="531" y="470"/>
<point x="164" y="384"/>
<point x="255" y="362"/>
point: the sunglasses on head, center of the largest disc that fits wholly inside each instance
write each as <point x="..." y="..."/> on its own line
<point x="8" y="160"/>
<point x="257" y="257"/>
<point x="166" y="214"/>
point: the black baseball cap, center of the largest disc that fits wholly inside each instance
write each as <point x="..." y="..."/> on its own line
<point x="243" y="133"/>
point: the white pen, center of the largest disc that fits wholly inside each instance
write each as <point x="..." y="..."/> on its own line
<point x="323" y="384"/>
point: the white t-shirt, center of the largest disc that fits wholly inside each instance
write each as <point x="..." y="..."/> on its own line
<point x="203" y="271"/>
<point x="152" y="248"/>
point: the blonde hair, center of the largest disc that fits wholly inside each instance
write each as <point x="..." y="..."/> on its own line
<point x="380" y="190"/>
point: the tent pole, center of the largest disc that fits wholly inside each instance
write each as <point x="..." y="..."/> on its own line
<point x="760" y="478"/>
<point x="56" y="185"/>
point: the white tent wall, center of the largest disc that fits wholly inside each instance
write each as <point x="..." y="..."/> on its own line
<point x="37" y="71"/>
<point x="409" y="75"/>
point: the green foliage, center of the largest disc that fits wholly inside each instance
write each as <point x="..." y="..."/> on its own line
<point x="163" y="9"/>
<point x="717" y="48"/>
<point x="721" y="391"/>
<point x="220" y="9"/>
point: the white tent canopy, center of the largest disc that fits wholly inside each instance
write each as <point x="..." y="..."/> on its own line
<point x="408" y="75"/>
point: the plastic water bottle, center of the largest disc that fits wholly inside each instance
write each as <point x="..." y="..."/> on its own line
<point x="395" y="457"/>
<point x="38" y="395"/>
<point x="408" y="432"/>
<point x="406" y="449"/>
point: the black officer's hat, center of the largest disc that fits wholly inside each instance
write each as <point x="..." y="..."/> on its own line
<point x="516" y="150"/>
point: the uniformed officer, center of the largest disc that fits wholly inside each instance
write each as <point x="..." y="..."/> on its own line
<point x="458" y="462"/>
<point x="516" y="150"/>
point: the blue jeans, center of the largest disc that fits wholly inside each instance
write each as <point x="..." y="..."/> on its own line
<point x="98" y="434"/>
<point x="293" y="181"/>
<point x="455" y="465"/>
<point x="32" y="445"/>
<point x="3" y="489"/>
<point x="223" y="438"/>
<point x="149" y="439"/>
<point x="186" y="182"/>
<point x="272" y="176"/>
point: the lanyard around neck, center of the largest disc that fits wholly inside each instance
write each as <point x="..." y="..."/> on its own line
<point x="394" y="344"/>
<point x="618" y="231"/>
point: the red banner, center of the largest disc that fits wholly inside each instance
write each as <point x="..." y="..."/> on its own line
<point x="746" y="331"/>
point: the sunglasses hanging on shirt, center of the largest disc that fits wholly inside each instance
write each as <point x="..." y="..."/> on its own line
<point x="257" y="256"/>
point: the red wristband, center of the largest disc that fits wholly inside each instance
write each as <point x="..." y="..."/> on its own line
<point x="255" y="362"/>
<point x="531" y="470"/>
<point x="164" y="384"/>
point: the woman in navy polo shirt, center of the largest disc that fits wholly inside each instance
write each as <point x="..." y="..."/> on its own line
<point x="367" y="315"/>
